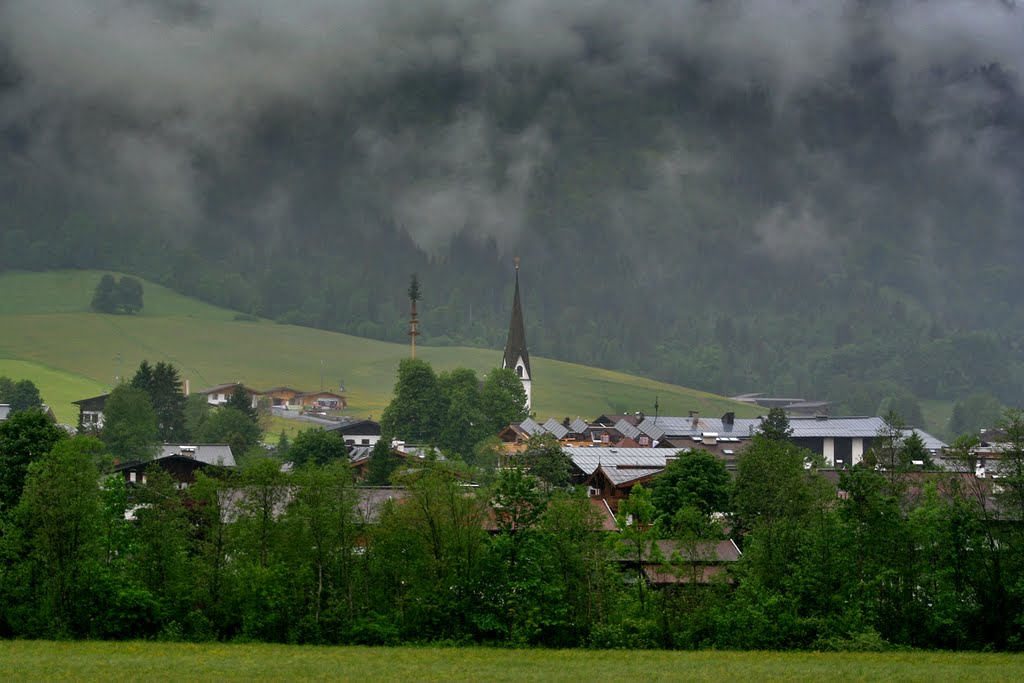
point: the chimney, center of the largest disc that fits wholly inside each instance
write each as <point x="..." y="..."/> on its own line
<point x="186" y="388"/>
<point x="729" y="418"/>
<point x="694" y="417"/>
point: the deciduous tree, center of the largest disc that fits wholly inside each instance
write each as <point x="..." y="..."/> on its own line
<point x="317" y="447"/>
<point x="129" y="426"/>
<point x="24" y="438"/>
<point x="417" y="406"/>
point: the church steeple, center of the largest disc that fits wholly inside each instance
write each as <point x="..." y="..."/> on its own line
<point x="517" y="356"/>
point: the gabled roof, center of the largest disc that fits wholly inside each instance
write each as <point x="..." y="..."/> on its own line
<point x="588" y="459"/>
<point x="531" y="427"/>
<point x="620" y="475"/>
<point x="209" y="453"/>
<point x="555" y="427"/>
<point x="221" y="387"/>
<point x="515" y="347"/>
<point x="803" y="427"/>
<point x="356" y="427"/>
<point x="627" y="430"/>
<point x="578" y="426"/>
<point x="320" y="393"/>
<point x="101" y="397"/>
<point x="273" y="389"/>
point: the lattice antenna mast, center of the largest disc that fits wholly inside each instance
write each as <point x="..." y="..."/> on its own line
<point x="414" y="296"/>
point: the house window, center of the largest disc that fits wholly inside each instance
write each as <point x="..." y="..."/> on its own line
<point x="131" y="476"/>
<point x="519" y="370"/>
<point x="644" y="441"/>
<point x="366" y="442"/>
<point x="606" y="438"/>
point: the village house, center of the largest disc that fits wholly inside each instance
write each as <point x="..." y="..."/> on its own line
<point x="90" y="412"/>
<point x="218" y="395"/>
<point x="358" y="432"/>
<point x="181" y="461"/>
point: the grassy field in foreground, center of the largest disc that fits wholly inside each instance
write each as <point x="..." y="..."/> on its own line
<point x="130" y="661"/>
<point x="46" y="321"/>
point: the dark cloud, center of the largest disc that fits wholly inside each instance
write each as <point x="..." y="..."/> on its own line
<point x="123" y="96"/>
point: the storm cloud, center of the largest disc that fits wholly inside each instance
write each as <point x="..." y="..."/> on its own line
<point x="134" y="100"/>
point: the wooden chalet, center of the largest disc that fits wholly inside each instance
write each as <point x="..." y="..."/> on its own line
<point x="90" y="412"/>
<point x="182" y="462"/>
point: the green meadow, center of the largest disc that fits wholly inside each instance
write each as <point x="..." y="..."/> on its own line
<point x="58" y="387"/>
<point x="133" y="661"/>
<point x="46" y="325"/>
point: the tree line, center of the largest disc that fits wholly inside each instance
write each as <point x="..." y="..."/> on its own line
<point x="878" y="558"/>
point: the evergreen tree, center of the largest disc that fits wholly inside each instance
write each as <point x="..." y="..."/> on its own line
<point x="163" y="386"/>
<point x="775" y="426"/>
<point x="382" y="463"/>
<point x="241" y="401"/>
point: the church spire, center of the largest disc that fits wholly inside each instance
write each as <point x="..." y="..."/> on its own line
<point x="517" y="356"/>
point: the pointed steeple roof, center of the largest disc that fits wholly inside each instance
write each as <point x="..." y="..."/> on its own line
<point x="515" y="347"/>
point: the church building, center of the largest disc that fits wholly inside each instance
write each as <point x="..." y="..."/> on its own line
<point x="516" y="355"/>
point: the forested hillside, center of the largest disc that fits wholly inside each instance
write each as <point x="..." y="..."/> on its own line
<point x="797" y="198"/>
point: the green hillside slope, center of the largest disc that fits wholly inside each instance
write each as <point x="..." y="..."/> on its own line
<point x="46" y="323"/>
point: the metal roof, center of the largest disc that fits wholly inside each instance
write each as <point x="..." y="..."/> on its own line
<point x="930" y="442"/>
<point x="555" y="427"/>
<point x="587" y="459"/>
<point x="209" y="453"/>
<point x="579" y="426"/>
<point x="531" y="427"/>
<point x="623" y="476"/>
<point x="803" y="428"/>
<point x="627" y="430"/>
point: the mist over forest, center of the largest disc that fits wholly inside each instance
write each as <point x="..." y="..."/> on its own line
<point x="797" y="197"/>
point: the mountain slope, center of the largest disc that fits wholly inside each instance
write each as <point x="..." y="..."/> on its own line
<point x="47" y="322"/>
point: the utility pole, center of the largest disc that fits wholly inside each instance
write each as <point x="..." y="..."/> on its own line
<point x="414" y="296"/>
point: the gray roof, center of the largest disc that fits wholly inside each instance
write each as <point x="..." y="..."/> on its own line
<point x="587" y="458"/>
<point x="555" y="427"/>
<point x="930" y="442"/>
<point x="531" y="427"/>
<point x="359" y="453"/>
<point x="579" y="426"/>
<point x="617" y="475"/>
<point x="210" y="453"/>
<point x="803" y="427"/>
<point x="627" y="429"/>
